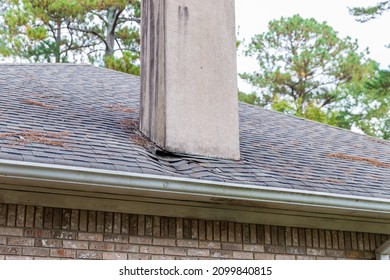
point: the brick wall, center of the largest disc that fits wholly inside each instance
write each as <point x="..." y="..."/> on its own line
<point x="28" y="232"/>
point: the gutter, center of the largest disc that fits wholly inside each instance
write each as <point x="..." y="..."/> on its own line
<point x="383" y="252"/>
<point x="77" y="178"/>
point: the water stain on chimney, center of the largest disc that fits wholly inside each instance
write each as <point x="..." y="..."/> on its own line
<point x="184" y="16"/>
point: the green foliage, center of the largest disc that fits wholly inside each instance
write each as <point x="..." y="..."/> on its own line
<point x="374" y="115"/>
<point x="364" y="14"/>
<point x="306" y="70"/>
<point x="72" y="31"/>
<point x="248" y="98"/>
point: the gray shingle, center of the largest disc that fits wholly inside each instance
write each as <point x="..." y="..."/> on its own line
<point x="90" y="106"/>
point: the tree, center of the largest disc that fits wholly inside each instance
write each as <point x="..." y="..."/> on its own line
<point x="365" y="14"/>
<point x="374" y="106"/>
<point x="101" y="32"/>
<point x="307" y="70"/>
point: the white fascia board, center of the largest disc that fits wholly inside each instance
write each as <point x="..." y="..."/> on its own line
<point x="86" y="179"/>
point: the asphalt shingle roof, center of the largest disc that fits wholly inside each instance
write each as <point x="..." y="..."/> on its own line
<point x="83" y="116"/>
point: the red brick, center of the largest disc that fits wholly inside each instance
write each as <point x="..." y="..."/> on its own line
<point x="11" y="215"/>
<point x="20" y="241"/>
<point x="134" y="256"/>
<point x="231" y="230"/>
<point x="63" y="253"/>
<point x="3" y="214"/>
<point x="295" y="237"/>
<point x="162" y="257"/>
<point x="284" y="257"/>
<point x="90" y="255"/>
<point x="38" y="220"/>
<point x="100" y="221"/>
<point x="91" y="223"/>
<point x="232" y="246"/>
<point x="49" y="243"/>
<point x="210" y="245"/>
<point x="220" y="254"/>
<point x="253" y="248"/>
<point x="316" y="252"/>
<point x="316" y="243"/>
<point x="354" y="254"/>
<point x="274" y="249"/>
<point x="101" y="246"/>
<point x="202" y="230"/>
<point x="149" y="226"/>
<point x="41" y="233"/>
<point x="62" y="234"/>
<point x="117" y="238"/>
<point x="90" y="236"/>
<point x="182" y="258"/>
<point x="243" y="255"/>
<point x="179" y="227"/>
<point x="335" y="253"/>
<point x="164" y="242"/>
<point x="83" y="220"/>
<point x="151" y="250"/>
<point x="117" y="223"/>
<point x="209" y="230"/>
<point x="325" y="258"/>
<point x="125" y="224"/>
<point x="263" y="256"/>
<point x="194" y="229"/>
<point x="217" y="231"/>
<point x="114" y="256"/>
<point x="21" y="213"/>
<point x="33" y="251"/>
<point x="80" y="245"/>
<point x="296" y="250"/>
<point x="306" y="258"/>
<point x="74" y="222"/>
<point x="11" y="231"/>
<point x="140" y="240"/>
<point x="188" y="243"/>
<point x="267" y="236"/>
<point x="253" y="233"/>
<point x="30" y="213"/>
<point x="175" y="251"/>
<point x="198" y="252"/>
<point x="128" y="248"/>
<point x="18" y="258"/>
<point x="8" y="250"/>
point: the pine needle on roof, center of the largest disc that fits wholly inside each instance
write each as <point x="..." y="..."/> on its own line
<point x="121" y="108"/>
<point x="371" y="161"/>
<point x="42" y="137"/>
<point x="37" y="103"/>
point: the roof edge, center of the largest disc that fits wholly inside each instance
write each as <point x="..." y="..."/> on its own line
<point x="161" y="186"/>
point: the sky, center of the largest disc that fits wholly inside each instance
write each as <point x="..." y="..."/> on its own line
<point x="252" y="17"/>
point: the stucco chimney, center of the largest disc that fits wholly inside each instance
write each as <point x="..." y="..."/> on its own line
<point x="189" y="77"/>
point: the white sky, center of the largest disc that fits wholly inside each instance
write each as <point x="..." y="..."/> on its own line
<point x="252" y="17"/>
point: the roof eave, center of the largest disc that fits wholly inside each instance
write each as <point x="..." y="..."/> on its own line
<point x="215" y="198"/>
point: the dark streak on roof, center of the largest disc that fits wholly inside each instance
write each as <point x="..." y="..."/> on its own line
<point x="90" y="107"/>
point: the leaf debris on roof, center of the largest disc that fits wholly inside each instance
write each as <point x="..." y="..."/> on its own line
<point x="371" y="161"/>
<point x="37" y="103"/>
<point x="42" y="137"/>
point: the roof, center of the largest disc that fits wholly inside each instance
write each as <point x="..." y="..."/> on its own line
<point x="83" y="116"/>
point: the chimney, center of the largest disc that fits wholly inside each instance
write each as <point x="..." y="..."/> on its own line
<point x="189" y="77"/>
